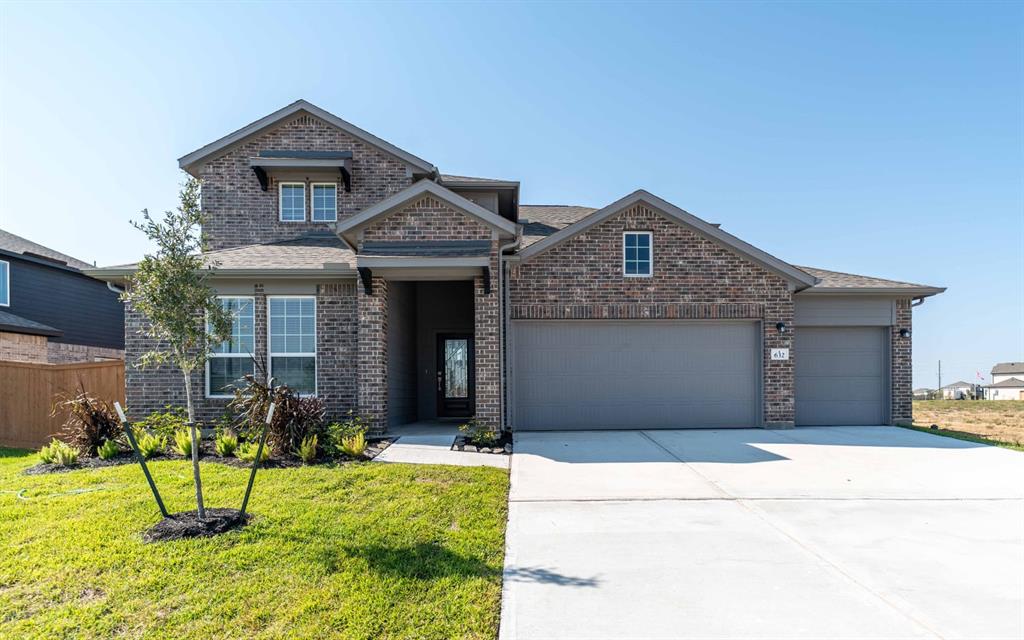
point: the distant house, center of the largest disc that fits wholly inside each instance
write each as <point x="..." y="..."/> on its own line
<point x="52" y="312"/>
<point x="958" y="391"/>
<point x="923" y="393"/>
<point x="1007" y="381"/>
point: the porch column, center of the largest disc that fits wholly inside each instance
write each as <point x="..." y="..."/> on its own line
<point x="901" y="361"/>
<point x="779" y="375"/>
<point x="485" y="336"/>
<point x="372" y="355"/>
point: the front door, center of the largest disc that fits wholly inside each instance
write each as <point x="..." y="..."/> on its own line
<point x="454" y="375"/>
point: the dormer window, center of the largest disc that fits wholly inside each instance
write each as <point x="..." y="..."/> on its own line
<point x="636" y="254"/>
<point x="324" y="202"/>
<point x="292" y="202"/>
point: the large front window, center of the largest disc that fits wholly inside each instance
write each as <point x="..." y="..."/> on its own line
<point x="293" y="202"/>
<point x="232" y="359"/>
<point x="293" y="341"/>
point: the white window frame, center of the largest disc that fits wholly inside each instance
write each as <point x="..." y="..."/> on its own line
<point x="316" y="337"/>
<point x="206" y="386"/>
<point x="280" y="200"/>
<point x="312" y="207"/>
<point x="7" y="283"/>
<point x="650" y="235"/>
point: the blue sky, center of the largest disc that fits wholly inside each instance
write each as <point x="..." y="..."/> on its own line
<point x="876" y="138"/>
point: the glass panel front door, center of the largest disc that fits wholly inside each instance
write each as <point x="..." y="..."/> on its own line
<point x="454" y="375"/>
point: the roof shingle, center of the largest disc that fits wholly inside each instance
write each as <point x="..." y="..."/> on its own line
<point x="17" y="244"/>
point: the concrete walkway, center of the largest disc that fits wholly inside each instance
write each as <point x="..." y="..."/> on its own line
<point x="432" y="444"/>
<point x="853" y="532"/>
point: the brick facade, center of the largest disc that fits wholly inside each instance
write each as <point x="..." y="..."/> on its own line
<point x="901" y="350"/>
<point x="373" y="355"/>
<point x="425" y="220"/>
<point x="238" y="212"/>
<point x="694" y="278"/>
<point x="22" y="347"/>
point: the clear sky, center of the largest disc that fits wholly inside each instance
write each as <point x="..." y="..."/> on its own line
<point x="876" y="138"/>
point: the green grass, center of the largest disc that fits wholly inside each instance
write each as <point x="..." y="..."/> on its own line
<point x="360" y="551"/>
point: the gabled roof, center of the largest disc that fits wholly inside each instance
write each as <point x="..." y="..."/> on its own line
<point x="801" y="279"/>
<point x="542" y="220"/>
<point x="421" y="188"/>
<point x="16" y="244"/>
<point x="1011" y="383"/>
<point x="838" y="282"/>
<point x="957" y="385"/>
<point x="1008" y="368"/>
<point x="17" y="324"/>
<point x="188" y="162"/>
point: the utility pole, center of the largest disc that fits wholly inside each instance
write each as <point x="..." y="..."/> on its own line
<point x="940" y="379"/>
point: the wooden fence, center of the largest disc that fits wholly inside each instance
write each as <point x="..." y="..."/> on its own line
<point x="28" y="390"/>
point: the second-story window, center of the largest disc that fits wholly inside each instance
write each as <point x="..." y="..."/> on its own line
<point x="293" y="202"/>
<point x="636" y="254"/>
<point x="5" y="284"/>
<point x="324" y="202"/>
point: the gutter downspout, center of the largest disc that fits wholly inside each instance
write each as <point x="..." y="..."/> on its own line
<point x="114" y="288"/>
<point x="917" y="302"/>
<point x="503" y="301"/>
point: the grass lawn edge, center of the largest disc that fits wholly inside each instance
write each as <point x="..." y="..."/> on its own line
<point x="962" y="435"/>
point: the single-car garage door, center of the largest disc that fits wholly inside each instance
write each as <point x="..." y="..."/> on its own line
<point x="635" y="374"/>
<point x="841" y="375"/>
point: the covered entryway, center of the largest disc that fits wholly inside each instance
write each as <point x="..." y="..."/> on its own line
<point x="595" y="374"/>
<point x="841" y="375"/>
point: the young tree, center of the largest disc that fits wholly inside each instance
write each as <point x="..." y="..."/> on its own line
<point x="170" y="289"/>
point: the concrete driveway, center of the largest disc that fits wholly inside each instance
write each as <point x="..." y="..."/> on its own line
<point x="838" y="532"/>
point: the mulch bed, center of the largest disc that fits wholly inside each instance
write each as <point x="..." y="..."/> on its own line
<point x="502" y="447"/>
<point x="207" y="454"/>
<point x="188" y="525"/>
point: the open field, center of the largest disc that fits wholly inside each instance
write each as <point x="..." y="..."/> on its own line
<point x="357" y="551"/>
<point x="1000" y="422"/>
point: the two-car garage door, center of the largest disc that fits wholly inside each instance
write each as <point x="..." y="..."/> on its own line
<point x="635" y="374"/>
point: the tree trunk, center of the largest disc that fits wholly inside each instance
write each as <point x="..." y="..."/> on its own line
<point x="195" y="444"/>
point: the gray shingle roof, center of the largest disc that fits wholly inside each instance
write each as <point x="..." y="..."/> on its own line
<point x="305" y="252"/>
<point x="17" y="244"/>
<point x="1009" y="382"/>
<point x="1008" y="368"/>
<point x="442" y="249"/>
<point x="467" y="180"/>
<point x="839" y="280"/>
<point x="17" y="324"/>
<point x="957" y="385"/>
<point x="541" y="220"/>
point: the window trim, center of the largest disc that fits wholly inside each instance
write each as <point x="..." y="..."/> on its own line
<point x="211" y="356"/>
<point x="280" y="200"/>
<point x="7" y="282"/>
<point x="316" y="338"/>
<point x="650" y="272"/>
<point x="312" y="209"/>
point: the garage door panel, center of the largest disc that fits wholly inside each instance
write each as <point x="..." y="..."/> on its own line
<point x="841" y="375"/>
<point x="590" y="375"/>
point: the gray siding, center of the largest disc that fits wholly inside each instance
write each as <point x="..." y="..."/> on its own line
<point x="83" y="308"/>
<point x="845" y="311"/>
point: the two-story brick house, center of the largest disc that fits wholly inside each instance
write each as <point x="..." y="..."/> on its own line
<point x="357" y="271"/>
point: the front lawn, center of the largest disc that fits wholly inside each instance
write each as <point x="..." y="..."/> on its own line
<point x="993" y="421"/>
<point x="364" y="550"/>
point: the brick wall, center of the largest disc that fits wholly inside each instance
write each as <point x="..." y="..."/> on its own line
<point x="487" y="316"/>
<point x="21" y="347"/>
<point x="372" y="355"/>
<point x="239" y="212"/>
<point x="694" y="278"/>
<point x="63" y="353"/>
<point x="902" y="365"/>
<point x="152" y="388"/>
<point x="427" y="219"/>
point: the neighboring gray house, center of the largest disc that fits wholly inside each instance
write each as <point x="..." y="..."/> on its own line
<point x="50" y="311"/>
<point x="359" y="272"/>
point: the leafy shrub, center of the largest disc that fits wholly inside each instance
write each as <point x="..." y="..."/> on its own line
<point x="88" y="423"/>
<point x="149" y="444"/>
<point x="247" y="452"/>
<point x="295" y="416"/>
<point x="165" y="423"/>
<point x="108" y="450"/>
<point x="479" y="434"/>
<point x="338" y="432"/>
<point x="226" y="443"/>
<point x="183" y="442"/>
<point x="354" y="445"/>
<point x="307" y="450"/>
<point x="60" y="453"/>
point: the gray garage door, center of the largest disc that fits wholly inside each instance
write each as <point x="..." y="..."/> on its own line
<point x="635" y="375"/>
<point x="841" y="375"/>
